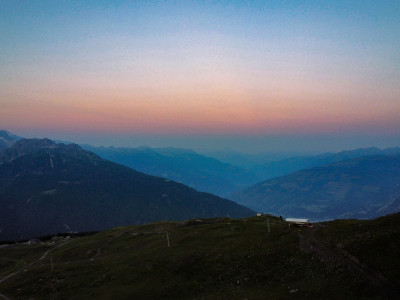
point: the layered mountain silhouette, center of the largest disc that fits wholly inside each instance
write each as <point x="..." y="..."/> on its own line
<point x="286" y="166"/>
<point x="344" y="185"/>
<point x="183" y="165"/>
<point x="213" y="176"/>
<point x="48" y="188"/>
<point x="364" y="187"/>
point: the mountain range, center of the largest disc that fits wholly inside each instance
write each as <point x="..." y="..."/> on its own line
<point x="183" y="165"/>
<point x="363" y="187"/>
<point x="47" y="188"/>
<point x="213" y="176"/>
<point x="286" y="166"/>
<point x="327" y="186"/>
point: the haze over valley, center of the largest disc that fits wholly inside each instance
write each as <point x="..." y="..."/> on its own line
<point x="362" y="183"/>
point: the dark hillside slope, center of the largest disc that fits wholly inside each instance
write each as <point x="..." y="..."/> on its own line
<point x="364" y="187"/>
<point x="49" y="188"/>
<point x="212" y="259"/>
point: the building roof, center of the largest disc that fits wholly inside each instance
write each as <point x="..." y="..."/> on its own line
<point x="296" y="220"/>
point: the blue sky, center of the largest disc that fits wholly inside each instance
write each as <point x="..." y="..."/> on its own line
<point x="257" y="75"/>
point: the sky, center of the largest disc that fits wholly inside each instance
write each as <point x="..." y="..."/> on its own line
<point x="250" y="76"/>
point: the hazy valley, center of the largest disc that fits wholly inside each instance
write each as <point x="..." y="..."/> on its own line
<point x="221" y="250"/>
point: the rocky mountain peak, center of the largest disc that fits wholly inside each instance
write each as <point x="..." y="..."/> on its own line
<point x="28" y="146"/>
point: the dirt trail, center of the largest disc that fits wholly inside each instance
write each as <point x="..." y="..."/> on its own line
<point x="27" y="266"/>
<point x="340" y="259"/>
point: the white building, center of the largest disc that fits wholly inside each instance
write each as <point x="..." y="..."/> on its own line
<point x="296" y="221"/>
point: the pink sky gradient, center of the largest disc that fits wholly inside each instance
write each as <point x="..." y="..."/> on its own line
<point x="200" y="69"/>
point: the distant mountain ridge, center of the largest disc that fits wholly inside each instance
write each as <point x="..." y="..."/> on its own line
<point x="363" y="187"/>
<point x="293" y="164"/>
<point x="210" y="175"/>
<point x="7" y="139"/>
<point x="47" y="188"/>
<point x="183" y="165"/>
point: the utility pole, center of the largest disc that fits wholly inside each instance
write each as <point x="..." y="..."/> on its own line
<point x="168" y="240"/>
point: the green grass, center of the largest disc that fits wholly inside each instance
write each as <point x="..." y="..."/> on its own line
<point x="375" y="242"/>
<point x="212" y="259"/>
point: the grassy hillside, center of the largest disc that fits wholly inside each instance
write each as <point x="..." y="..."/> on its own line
<point x="211" y="259"/>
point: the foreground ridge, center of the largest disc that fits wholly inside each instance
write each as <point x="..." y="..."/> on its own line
<point x="213" y="259"/>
